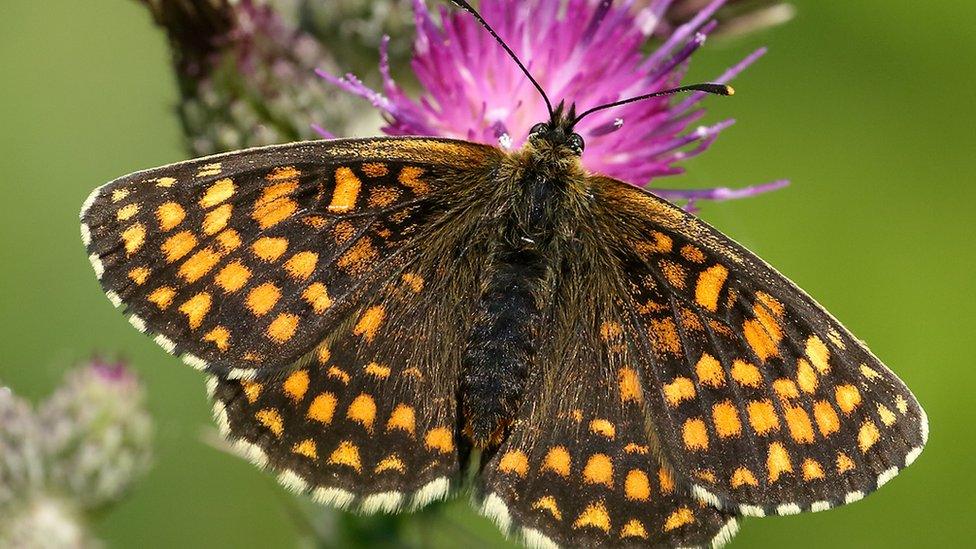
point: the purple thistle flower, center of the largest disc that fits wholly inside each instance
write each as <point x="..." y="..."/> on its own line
<point x="586" y="51"/>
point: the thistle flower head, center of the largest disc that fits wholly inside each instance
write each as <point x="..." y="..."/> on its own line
<point x="588" y="52"/>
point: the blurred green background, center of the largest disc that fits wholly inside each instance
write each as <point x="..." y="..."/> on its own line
<point x="868" y="107"/>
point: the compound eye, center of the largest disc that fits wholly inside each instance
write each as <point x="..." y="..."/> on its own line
<point x="539" y="128"/>
<point x="576" y="143"/>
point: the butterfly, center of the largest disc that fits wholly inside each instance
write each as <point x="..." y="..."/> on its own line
<point x="377" y="317"/>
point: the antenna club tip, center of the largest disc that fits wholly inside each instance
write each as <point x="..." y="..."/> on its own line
<point x="729" y="90"/>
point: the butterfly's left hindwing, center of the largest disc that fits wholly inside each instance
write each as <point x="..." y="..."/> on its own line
<point x="241" y="262"/>
<point x="762" y="402"/>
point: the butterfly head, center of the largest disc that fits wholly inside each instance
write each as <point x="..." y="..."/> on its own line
<point x="558" y="131"/>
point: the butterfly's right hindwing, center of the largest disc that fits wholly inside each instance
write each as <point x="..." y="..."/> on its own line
<point x="241" y="262"/>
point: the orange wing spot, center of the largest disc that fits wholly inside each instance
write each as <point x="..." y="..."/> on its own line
<point x="709" y="286"/>
<point x="199" y="264"/>
<point x="610" y="331"/>
<point x="695" y="434"/>
<point x="414" y="282"/>
<point x="835" y="338"/>
<point x="806" y="378"/>
<point x="633" y="529"/>
<point x="322" y="408"/>
<point x="229" y="240"/>
<point x="217" y="193"/>
<point x="819" y="354"/>
<point x="603" y="427"/>
<point x="377" y="370"/>
<point x="302" y="264"/>
<point x="382" y="196"/>
<point x="165" y="182"/>
<point x="514" y="461"/>
<point x="296" y="385"/>
<point x="769" y="323"/>
<point x="362" y="410"/>
<point x="661" y="244"/>
<point x="402" y="418"/>
<point x="692" y="253"/>
<point x="251" y="390"/>
<point x="318" y="297"/>
<point x="636" y="449"/>
<point x="170" y="215"/>
<point x="343" y="231"/>
<point x="139" y="275"/>
<point x="270" y="418"/>
<point x="599" y="470"/>
<point x="637" y="486"/>
<point x="217" y="219"/>
<point x="629" y="384"/>
<point x="666" y="481"/>
<point x="410" y="178"/>
<point x="812" y="470"/>
<point x="679" y="390"/>
<point x="868" y="435"/>
<point x="375" y="169"/>
<point x="726" y="419"/>
<point x="649" y="307"/>
<point x="707" y="475"/>
<point x="337" y="373"/>
<point x="119" y="195"/>
<point x="440" y="439"/>
<point x="548" y="503"/>
<point x="758" y="338"/>
<point x="196" y="309"/>
<point x="306" y="448"/>
<point x="209" y="169"/>
<point x="785" y="388"/>
<point x="282" y="328"/>
<point x="178" y="245"/>
<point x="595" y="515"/>
<point x="315" y="221"/>
<point x="679" y="518"/>
<point x="888" y="418"/>
<point x="263" y="298"/>
<point x="746" y="374"/>
<point x="359" y="257"/>
<point x="219" y="336"/>
<point x="391" y="463"/>
<point x="133" y="238"/>
<point x="848" y="398"/>
<point x="162" y="297"/>
<point x="709" y="371"/>
<point x="283" y="173"/>
<point x="233" y="277"/>
<point x="268" y="248"/>
<point x="869" y="372"/>
<point x="126" y="212"/>
<point x="558" y="461"/>
<point x="346" y="190"/>
<point x="369" y="324"/>
<point x="743" y="477"/>
<point x="844" y="463"/>
<point x="798" y="421"/>
<point x="323" y="354"/>
<point x="826" y="417"/>
<point x="664" y="336"/>
<point x="762" y="417"/>
<point x="347" y="454"/>
<point x="691" y="321"/>
<point x="778" y="461"/>
<point x="675" y="274"/>
<point x="270" y="213"/>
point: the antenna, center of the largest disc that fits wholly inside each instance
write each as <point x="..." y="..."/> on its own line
<point x="717" y="89"/>
<point x="463" y="4"/>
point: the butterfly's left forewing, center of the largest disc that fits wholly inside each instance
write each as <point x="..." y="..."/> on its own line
<point x="762" y="402"/>
<point x="241" y="262"/>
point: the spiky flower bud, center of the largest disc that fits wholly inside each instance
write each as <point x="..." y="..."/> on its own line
<point x="97" y="434"/>
<point x="20" y="464"/>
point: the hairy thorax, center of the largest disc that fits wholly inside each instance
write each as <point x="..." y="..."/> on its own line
<point x="542" y="189"/>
